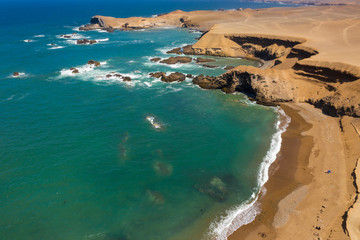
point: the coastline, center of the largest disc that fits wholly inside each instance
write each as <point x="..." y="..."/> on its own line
<point x="282" y="176"/>
<point x="299" y="194"/>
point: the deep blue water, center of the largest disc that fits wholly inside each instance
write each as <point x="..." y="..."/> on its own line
<point x="79" y="159"/>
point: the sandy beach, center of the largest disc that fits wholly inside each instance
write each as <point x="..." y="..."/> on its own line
<point x="311" y="57"/>
<point x="299" y="194"/>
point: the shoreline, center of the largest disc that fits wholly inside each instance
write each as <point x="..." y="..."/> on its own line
<point x="276" y="189"/>
<point x="299" y="194"/>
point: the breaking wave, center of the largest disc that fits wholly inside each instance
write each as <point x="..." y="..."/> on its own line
<point x="246" y="212"/>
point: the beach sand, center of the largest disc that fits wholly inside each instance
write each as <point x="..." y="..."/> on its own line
<point x="301" y="200"/>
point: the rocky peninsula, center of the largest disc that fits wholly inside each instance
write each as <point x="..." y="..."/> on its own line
<point x="310" y="57"/>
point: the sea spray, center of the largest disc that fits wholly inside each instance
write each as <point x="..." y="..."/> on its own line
<point x="246" y="212"/>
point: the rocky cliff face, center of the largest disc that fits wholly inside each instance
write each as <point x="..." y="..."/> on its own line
<point x="292" y="70"/>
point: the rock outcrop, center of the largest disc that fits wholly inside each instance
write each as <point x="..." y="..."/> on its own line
<point x="173" y="77"/>
<point x="85" y="41"/>
<point x="204" y="60"/>
<point x="93" y="62"/>
<point x="155" y="59"/>
<point x="302" y="60"/>
<point x="174" y="60"/>
<point x="157" y="74"/>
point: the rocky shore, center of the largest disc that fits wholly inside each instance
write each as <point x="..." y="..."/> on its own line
<point x="308" y="58"/>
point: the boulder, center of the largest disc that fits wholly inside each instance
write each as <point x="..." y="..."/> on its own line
<point x="127" y="79"/>
<point x="209" y="66"/>
<point x="157" y="74"/>
<point x="155" y="59"/>
<point x="175" y="51"/>
<point x="173" y="60"/>
<point x="204" y="60"/>
<point x="93" y="62"/>
<point x="85" y="41"/>
<point x="113" y="74"/>
<point x="188" y="50"/>
<point x="16" y="74"/>
<point x="229" y="67"/>
<point x="208" y="82"/>
<point x="74" y="70"/>
<point x="182" y="50"/>
<point x="173" y="77"/>
<point x="189" y="76"/>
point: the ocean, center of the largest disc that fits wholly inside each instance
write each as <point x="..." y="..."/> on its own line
<point x="79" y="157"/>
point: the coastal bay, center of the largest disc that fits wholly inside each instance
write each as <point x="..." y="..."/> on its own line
<point x="213" y="147"/>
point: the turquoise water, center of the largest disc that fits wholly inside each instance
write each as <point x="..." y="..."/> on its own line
<point x="78" y="158"/>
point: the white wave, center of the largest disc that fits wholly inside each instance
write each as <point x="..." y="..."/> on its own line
<point x="173" y="89"/>
<point x="246" y="212"/>
<point x="39" y="36"/>
<point x="15" y="97"/>
<point x="101" y="30"/>
<point x="71" y="41"/>
<point x="56" y="47"/>
<point x="131" y="61"/>
<point x="82" y="69"/>
<point x="21" y="74"/>
<point x="28" y="40"/>
<point x="102" y="39"/>
<point x="51" y="44"/>
<point x="149" y="84"/>
<point x="76" y="29"/>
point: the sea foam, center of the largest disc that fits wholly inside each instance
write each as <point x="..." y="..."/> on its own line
<point x="246" y="212"/>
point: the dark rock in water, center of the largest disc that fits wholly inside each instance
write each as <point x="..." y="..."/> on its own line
<point x="204" y="60"/>
<point x="189" y="76"/>
<point x="173" y="77"/>
<point x="182" y="50"/>
<point x="173" y="60"/>
<point x="162" y="168"/>
<point x="113" y="74"/>
<point x="208" y="82"/>
<point x="127" y="79"/>
<point x="157" y="74"/>
<point x="85" y="41"/>
<point x="188" y="50"/>
<point x="155" y="197"/>
<point x="108" y="29"/>
<point x="214" y="188"/>
<point x="229" y="67"/>
<point x="16" y="74"/>
<point x="74" y="70"/>
<point x="93" y="62"/>
<point x="209" y="66"/>
<point x="175" y="51"/>
<point x="155" y="59"/>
